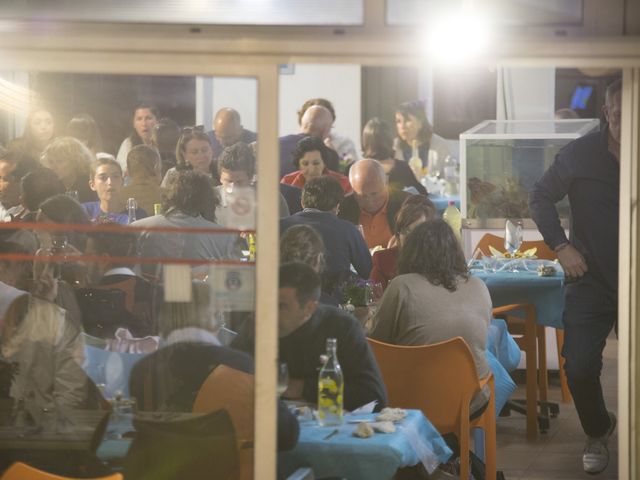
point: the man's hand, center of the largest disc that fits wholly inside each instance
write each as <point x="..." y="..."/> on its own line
<point x="572" y="261"/>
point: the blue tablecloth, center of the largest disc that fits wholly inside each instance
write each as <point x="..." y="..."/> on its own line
<point x="344" y="455"/>
<point x="503" y="356"/>
<point x="546" y="293"/>
<point x="443" y="202"/>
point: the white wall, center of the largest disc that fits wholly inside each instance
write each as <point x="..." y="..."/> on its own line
<point x="526" y="93"/>
<point x="239" y="93"/>
<point x="340" y="84"/>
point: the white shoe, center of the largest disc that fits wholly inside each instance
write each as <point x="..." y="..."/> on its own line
<point x="595" y="456"/>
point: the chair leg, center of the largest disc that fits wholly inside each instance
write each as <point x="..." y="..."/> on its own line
<point x="532" y="383"/>
<point x="463" y="438"/>
<point x="564" y="386"/>
<point x="543" y="379"/>
<point x="490" y="438"/>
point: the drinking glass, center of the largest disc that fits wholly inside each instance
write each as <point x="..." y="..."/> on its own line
<point x="513" y="239"/>
<point x="283" y="378"/>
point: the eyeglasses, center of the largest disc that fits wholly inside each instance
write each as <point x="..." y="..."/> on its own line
<point x="195" y="129"/>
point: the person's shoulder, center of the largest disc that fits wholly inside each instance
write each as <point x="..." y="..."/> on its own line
<point x="249" y="136"/>
<point x="581" y="147"/>
<point x="91" y="208"/>
<point x="334" y="317"/>
<point x="398" y="196"/>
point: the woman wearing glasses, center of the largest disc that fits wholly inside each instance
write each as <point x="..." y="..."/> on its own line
<point x="193" y="152"/>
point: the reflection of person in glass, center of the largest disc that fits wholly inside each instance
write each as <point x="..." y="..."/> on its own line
<point x="588" y="171"/>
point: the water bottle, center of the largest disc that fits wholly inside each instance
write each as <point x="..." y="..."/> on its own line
<point x="330" y="389"/>
<point x="453" y="217"/>
<point x="131" y="210"/>
<point x="415" y="162"/>
<point x="450" y="175"/>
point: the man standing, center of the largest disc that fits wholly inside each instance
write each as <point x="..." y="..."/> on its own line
<point x="588" y="171"/>
<point x="372" y="204"/>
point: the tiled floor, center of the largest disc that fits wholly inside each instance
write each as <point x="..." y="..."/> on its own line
<point x="558" y="453"/>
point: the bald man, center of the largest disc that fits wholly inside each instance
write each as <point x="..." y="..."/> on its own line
<point x="228" y="130"/>
<point x="316" y="122"/>
<point x="372" y="204"/>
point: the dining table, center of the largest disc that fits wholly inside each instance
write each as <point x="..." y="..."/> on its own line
<point x="524" y="285"/>
<point x="336" y="452"/>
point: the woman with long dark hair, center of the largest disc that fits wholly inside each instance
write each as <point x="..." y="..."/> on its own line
<point x="412" y="125"/>
<point x="144" y="118"/>
<point x="193" y="152"/>
<point x="434" y="298"/>
<point x="39" y="131"/>
<point x="377" y="143"/>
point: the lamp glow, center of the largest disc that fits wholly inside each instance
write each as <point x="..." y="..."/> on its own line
<point x="458" y="37"/>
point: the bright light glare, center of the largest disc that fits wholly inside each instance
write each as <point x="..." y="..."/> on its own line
<point x="458" y="37"/>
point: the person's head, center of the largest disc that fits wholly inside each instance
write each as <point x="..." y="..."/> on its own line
<point x="69" y="158"/>
<point x="317" y="121"/>
<point x="145" y="117"/>
<point x="143" y="162"/>
<point x="227" y="126"/>
<point x="322" y="193"/>
<point x="369" y="183"/>
<point x="236" y="165"/>
<point x="106" y="179"/>
<point x="63" y="210"/>
<point x="165" y="135"/>
<point x="84" y="128"/>
<point x="433" y="251"/>
<point x="412" y="123"/>
<point x="14" y="272"/>
<point x="311" y="157"/>
<point x="302" y="243"/>
<point x="612" y="109"/>
<point x="566" y="114"/>
<point x="323" y="102"/>
<point x="38" y="186"/>
<point x="194" y="151"/>
<point x="298" y="294"/>
<point x="198" y="313"/>
<point x="39" y="126"/>
<point x="14" y="165"/>
<point x="108" y="245"/>
<point x="415" y="210"/>
<point x="192" y="193"/>
<point x="377" y="140"/>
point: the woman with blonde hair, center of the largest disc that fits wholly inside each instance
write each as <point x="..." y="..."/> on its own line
<point x="71" y="160"/>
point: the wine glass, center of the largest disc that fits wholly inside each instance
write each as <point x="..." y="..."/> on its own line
<point x="283" y="378"/>
<point x="512" y="239"/>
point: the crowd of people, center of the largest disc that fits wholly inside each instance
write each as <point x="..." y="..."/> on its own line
<point x="169" y="189"/>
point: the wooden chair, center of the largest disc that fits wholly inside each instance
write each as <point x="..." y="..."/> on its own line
<point x="440" y="380"/>
<point x="231" y="389"/>
<point x="545" y="253"/>
<point x="22" y="471"/>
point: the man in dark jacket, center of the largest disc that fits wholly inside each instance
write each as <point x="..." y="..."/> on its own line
<point x="587" y="171"/>
<point x="303" y="328"/>
<point x="343" y="242"/>
<point x="372" y="204"/>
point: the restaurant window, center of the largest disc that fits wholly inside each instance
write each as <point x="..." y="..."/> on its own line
<point x="127" y="262"/>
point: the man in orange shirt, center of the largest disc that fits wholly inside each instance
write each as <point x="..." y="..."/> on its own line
<point x="372" y="205"/>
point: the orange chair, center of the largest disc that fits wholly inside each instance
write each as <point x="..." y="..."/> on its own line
<point x="543" y="252"/>
<point x="232" y="390"/>
<point x="22" y="471"/>
<point x="440" y="380"/>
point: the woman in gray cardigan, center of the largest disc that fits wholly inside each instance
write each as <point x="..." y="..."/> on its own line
<point x="434" y="298"/>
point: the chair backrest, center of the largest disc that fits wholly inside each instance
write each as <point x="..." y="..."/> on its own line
<point x="232" y="390"/>
<point x="22" y="471"/>
<point x="489" y="239"/>
<point x="175" y="446"/>
<point x="439" y="379"/>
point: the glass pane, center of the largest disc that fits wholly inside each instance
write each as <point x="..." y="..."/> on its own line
<point x="536" y="127"/>
<point x="127" y="259"/>
<point x="200" y="12"/>
<point x="507" y="12"/>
